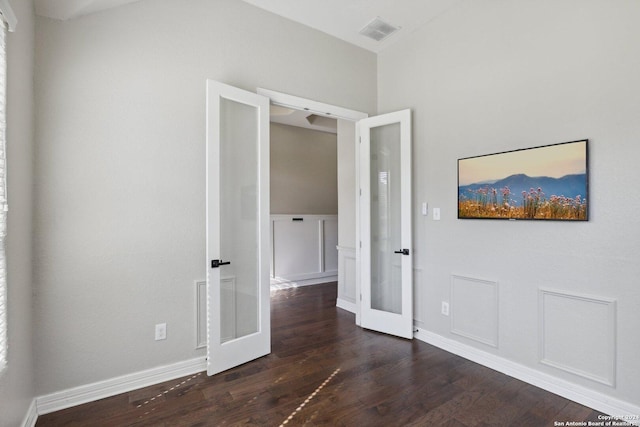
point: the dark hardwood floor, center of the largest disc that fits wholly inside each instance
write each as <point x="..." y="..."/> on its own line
<point x="323" y="370"/>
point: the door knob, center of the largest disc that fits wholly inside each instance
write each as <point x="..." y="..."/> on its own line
<point x="215" y="263"/>
<point x="402" y="251"/>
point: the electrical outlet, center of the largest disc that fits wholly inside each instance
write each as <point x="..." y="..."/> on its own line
<point x="445" y="308"/>
<point x="436" y="214"/>
<point x="161" y="331"/>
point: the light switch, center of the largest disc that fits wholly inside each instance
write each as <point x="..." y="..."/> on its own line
<point x="424" y="208"/>
<point x="436" y="214"/>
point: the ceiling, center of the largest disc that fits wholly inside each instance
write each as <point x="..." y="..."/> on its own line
<point x="340" y="18"/>
<point x="303" y="119"/>
<point x="345" y="18"/>
<point x="69" y="9"/>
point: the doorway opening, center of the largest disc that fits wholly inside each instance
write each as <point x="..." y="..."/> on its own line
<point x="304" y="198"/>
<point x="326" y="238"/>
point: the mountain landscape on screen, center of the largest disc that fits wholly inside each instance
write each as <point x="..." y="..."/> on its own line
<point x="525" y="197"/>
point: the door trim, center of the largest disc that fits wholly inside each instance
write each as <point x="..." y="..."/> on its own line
<point x="315" y="107"/>
<point x="330" y="110"/>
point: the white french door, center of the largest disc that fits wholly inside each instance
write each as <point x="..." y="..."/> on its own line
<point x="238" y="317"/>
<point x="386" y="267"/>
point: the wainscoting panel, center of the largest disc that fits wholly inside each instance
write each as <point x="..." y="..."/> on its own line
<point x="474" y="309"/>
<point x="418" y="306"/>
<point x="578" y="334"/>
<point x="304" y="247"/>
<point x="330" y="243"/>
<point x="201" y="314"/>
<point x="347" y="278"/>
<point x="229" y="324"/>
<point x="296" y="247"/>
<point x="587" y="396"/>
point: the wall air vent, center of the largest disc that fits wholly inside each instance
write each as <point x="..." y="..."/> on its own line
<point x="378" y="30"/>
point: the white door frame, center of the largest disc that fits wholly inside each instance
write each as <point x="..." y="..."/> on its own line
<point x="335" y="112"/>
<point x="315" y="107"/>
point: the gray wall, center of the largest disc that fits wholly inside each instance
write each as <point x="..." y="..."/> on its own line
<point x="17" y="381"/>
<point x="347" y="184"/>
<point x="120" y="172"/>
<point x="304" y="171"/>
<point x="491" y="76"/>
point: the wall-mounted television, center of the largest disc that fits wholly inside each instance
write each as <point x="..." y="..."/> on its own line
<point x="549" y="182"/>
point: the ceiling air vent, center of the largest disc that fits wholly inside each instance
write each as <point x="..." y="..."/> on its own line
<point x="378" y="30"/>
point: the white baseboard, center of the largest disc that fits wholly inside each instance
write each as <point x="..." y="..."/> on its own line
<point x="111" y="387"/>
<point x="32" y="415"/>
<point x="582" y="395"/>
<point x="346" y="305"/>
<point x="283" y="283"/>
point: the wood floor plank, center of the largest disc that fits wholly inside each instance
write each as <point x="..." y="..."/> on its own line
<point x="325" y="371"/>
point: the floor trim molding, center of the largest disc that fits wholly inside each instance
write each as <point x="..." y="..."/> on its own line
<point x="111" y="387"/>
<point x="346" y="305"/>
<point x="280" y="283"/>
<point x="566" y="389"/>
<point x="32" y="415"/>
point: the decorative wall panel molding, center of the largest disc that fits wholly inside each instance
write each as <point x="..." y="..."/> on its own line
<point x="330" y="244"/>
<point x="578" y="334"/>
<point x="227" y="285"/>
<point x="570" y="390"/>
<point x="418" y="306"/>
<point x="303" y="247"/>
<point x="474" y="309"/>
<point x="346" y="278"/>
<point x="201" y="314"/>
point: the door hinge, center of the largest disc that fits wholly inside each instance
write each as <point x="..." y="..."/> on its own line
<point x="360" y="297"/>
<point x="360" y="243"/>
<point x="361" y="191"/>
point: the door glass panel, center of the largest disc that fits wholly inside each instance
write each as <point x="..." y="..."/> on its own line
<point x="386" y="266"/>
<point x="239" y="281"/>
